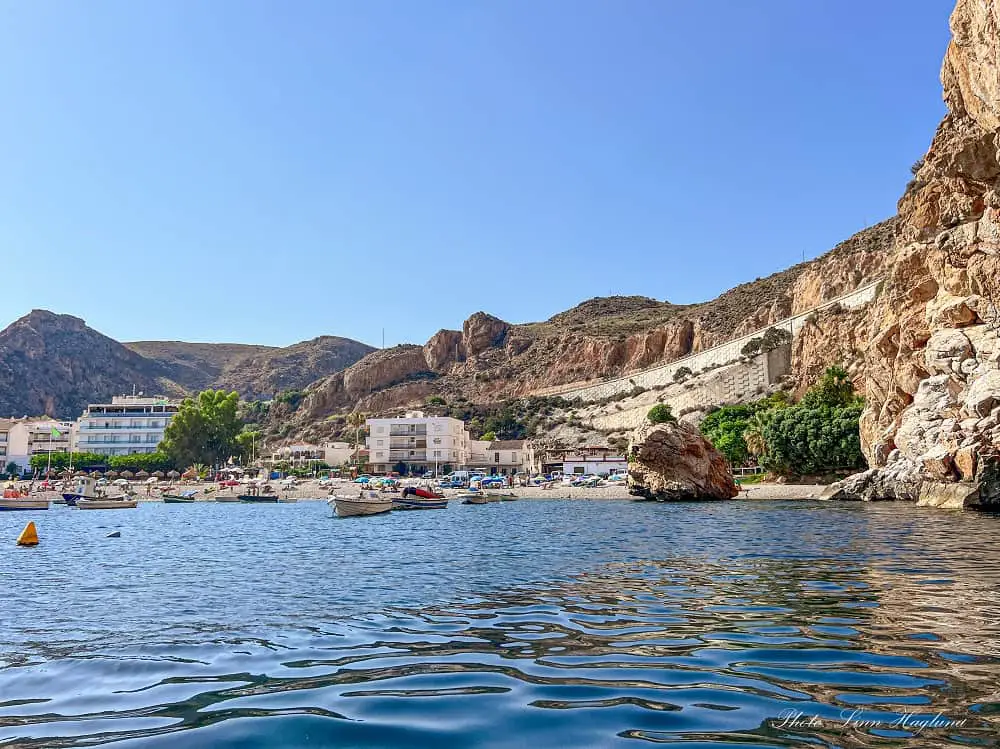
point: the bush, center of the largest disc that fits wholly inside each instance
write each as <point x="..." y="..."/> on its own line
<point x="660" y="414"/>
<point x="805" y="439"/>
<point x="682" y="374"/>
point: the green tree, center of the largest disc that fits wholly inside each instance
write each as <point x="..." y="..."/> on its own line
<point x="489" y="436"/>
<point x="660" y="414"/>
<point x="62" y="461"/>
<point x="12" y="470"/>
<point x="724" y="428"/>
<point x="834" y="389"/>
<point x="149" y="462"/>
<point x="805" y="439"/>
<point x="204" y="429"/>
<point x="248" y="445"/>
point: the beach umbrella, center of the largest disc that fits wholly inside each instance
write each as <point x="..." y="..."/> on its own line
<point x="174" y="475"/>
<point x="111" y="474"/>
<point x="97" y="475"/>
<point x="127" y="474"/>
<point x="142" y="475"/>
<point x="159" y="474"/>
<point x="80" y="473"/>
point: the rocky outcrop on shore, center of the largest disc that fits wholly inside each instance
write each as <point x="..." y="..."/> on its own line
<point x="673" y="461"/>
<point x="931" y="428"/>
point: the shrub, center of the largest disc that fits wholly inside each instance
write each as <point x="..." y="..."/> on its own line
<point x="660" y="414"/>
<point x="682" y="374"/>
<point x="806" y="439"/>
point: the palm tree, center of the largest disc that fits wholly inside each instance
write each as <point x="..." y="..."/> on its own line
<point x="753" y="435"/>
<point x="357" y="420"/>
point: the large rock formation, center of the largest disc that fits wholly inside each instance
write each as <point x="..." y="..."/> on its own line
<point x="675" y="462"/>
<point x="932" y="379"/>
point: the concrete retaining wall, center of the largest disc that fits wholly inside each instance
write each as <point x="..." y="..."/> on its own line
<point x="717" y="356"/>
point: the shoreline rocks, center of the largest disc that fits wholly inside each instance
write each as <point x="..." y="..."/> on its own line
<point x="673" y="462"/>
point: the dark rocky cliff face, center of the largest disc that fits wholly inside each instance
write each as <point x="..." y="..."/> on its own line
<point x="54" y="364"/>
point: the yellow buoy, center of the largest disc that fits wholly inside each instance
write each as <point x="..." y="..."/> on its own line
<point x="29" y="536"/>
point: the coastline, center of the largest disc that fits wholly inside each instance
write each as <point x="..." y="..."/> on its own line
<point x="311" y="490"/>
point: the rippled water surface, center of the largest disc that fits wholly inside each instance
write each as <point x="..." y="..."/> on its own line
<point x="533" y="623"/>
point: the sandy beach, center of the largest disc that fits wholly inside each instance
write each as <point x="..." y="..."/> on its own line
<point x="307" y="490"/>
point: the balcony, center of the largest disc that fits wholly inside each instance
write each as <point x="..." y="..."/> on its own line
<point x="399" y="443"/>
<point x="408" y="456"/>
<point x="407" y="430"/>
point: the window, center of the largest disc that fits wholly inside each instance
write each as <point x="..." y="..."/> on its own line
<point x="380" y="454"/>
<point x="496" y="458"/>
<point x="577" y="469"/>
<point x="513" y="458"/>
<point x="379" y="443"/>
<point x="437" y="427"/>
<point x="437" y="453"/>
<point x="436" y="440"/>
<point x="380" y="430"/>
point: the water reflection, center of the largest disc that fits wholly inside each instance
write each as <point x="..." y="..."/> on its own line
<point x="863" y="627"/>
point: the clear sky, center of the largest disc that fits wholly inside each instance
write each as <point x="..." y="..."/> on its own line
<point x="266" y="172"/>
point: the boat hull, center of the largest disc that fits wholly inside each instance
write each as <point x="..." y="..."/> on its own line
<point x="14" y="504"/>
<point x="70" y="499"/>
<point x="355" y="506"/>
<point x="414" y="503"/>
<point x="224" y="498"/>
<point x="171" y="500"/>
<point x="258" y="498"/>
<point x="107" y="504"/>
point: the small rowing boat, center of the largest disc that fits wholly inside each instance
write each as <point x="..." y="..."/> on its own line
<point x="107" y="503"/>
<point x="258" y="498"/>
<point x="353" y="506"/>
<point x="182" y="498"/>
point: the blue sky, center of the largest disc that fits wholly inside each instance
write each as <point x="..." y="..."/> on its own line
<point x="266" y="172"/>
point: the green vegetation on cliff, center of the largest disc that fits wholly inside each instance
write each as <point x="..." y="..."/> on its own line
<point x="818" y="434"/>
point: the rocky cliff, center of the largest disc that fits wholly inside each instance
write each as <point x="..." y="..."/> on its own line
<point x="932" y="366"/>
<point x="55" y="364"/>
<point x="675" y="462"/>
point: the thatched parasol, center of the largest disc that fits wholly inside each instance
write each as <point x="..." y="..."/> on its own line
<point x="142" y="475"/>
<point x="111" y="474"/>
<point x="159" y="474"/>
<point x="79" y="474"/>
<point x="127" y="475"/>
<point x="174" y="475"/>
<point x="97" y="475"/>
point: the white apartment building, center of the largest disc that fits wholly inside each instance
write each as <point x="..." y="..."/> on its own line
<point x="128" y="425"/>
<point x="332" y="453"/>
<point x="417" y="442"/>
<point x="20" y="439"/>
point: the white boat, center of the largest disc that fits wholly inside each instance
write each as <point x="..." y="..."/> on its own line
<point x="372" y="504"/>
<point x="31" y="502"/>
<point x="477" y="498"/>
<point x="106" y="503"/>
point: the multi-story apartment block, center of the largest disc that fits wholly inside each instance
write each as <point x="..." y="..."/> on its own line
<point x="20" y="439"/>
<point x="129" y="424"/>
<point x="417" y="442"/>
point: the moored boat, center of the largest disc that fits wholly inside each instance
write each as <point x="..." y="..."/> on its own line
<point x="106" y="503"/>
<point x="258" y="498"/>
<point x="227" y="498"/>
<point x="419" y="503"/>
<point x="352" y="506"/>
<point x="22" y="502"/>
<point x="477" y="498"/>
<point x="182" y="498"/>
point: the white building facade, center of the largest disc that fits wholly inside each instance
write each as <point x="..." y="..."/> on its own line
<point x="21" y="439"/>
<point x="417" y="443"/>
<point x="128" y="425"/>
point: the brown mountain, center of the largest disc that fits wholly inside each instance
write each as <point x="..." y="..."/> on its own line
<point x="55" y="364"/>
<point x="490" y="360"/>
<point x="253" y="371"/>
